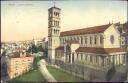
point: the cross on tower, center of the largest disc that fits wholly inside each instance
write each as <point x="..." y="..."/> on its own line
<point x="54" y="3"/>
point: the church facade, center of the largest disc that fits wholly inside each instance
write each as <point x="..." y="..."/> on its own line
<point x="96" y="47"/>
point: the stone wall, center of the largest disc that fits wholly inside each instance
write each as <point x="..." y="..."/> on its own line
<point x="84" y="72"/>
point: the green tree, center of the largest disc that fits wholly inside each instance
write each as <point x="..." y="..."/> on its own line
<point x="34" y="49"/>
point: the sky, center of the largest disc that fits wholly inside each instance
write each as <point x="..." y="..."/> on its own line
<point x="25" y="20"/>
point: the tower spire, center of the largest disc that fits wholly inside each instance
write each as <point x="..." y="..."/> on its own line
<point x="54" y="3"/>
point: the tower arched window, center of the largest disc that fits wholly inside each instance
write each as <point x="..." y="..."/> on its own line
<point x="58" y="31"/>
<point x="54" y="31"/>
<point x="56" y="23"/>
<point x="58" y="14"/>
<point x="54" y="13"/>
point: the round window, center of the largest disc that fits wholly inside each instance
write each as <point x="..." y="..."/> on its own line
<point x="112" y="39"/>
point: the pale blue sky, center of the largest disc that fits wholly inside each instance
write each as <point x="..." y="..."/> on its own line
<point x="23" y="20"/>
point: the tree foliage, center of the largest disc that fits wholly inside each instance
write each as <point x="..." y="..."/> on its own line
<point x="36" y="49"/>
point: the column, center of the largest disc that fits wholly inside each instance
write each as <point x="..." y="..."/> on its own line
<point x="98" y="41"/>
<point x="71" y="58"/>
<point x="115" y="59"/>
<point x="125" y="58"/>
<point x="105" y="61"/>
<point x="83" y="57"/>
<point x="119" y="59"/>
<point x="87" y="58"/>
<point x="118" y="56"/>
<point x="121" y="62"/>
<point x="79" y="40"/>
<point x="75" y="57"/>
<point x="83" y="41"/>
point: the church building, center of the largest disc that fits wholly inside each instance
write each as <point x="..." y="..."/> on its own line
<point x="96" y="47"/>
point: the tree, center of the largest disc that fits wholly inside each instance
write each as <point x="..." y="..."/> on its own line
<point x="34" y="49"/>
<point x="40" y="48"/>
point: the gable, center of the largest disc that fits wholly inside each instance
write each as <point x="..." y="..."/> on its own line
<point x="111" y="37"/>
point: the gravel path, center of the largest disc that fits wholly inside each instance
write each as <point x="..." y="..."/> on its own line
<point x="45" y="72"/>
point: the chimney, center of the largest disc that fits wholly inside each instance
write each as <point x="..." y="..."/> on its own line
<point x="109" y="22"/>
<point x="21" y="54"/>
<point x="24" y="54"/>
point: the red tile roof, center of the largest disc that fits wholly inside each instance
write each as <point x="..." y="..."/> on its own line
<point x="89" y="30"/>
<point x="17" y="55"/>
<point x="73" y="42"/>
<point x="60" y="48"/>
<point x="99" y="50"/>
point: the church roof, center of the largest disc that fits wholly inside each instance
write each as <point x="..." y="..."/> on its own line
<point x="73" y="42"/>
<point x="60" y="48"/>
<point x="54" y="8"/>
<point x="89" y="30"/>
<point x="99" y="50"/>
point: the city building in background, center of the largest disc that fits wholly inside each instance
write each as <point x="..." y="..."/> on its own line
<point x="18" y="63"/>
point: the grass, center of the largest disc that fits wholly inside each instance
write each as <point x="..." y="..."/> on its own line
<point x="62" y="76"/>
<point x="31" y="76"/>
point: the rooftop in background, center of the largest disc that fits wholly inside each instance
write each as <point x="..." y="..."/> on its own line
<point x="17" y="55"/>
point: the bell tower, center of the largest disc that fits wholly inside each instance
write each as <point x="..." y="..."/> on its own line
<point x="53" y="31"/>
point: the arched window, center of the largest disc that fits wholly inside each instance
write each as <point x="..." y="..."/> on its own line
<point x="58" y="31"/>
<point x="54" y="13"/>
<point x="86" y="57"/>
<point x="58" y="14"/>
<point x="85" y="40"/>
<point x="96" y="59"/>
<point x="95" y="39"/>
<point x="90" y="58"/>
<point x="77" y="56"/>
<point x="101" y="39"/>
<point x="81" y="56"/>
<point x="81" y="40"/>
<point x="90" y="40"/>
<point x="54" y="31"/>
<point x="56" y="23"/>
<point x="77" y="38"/>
